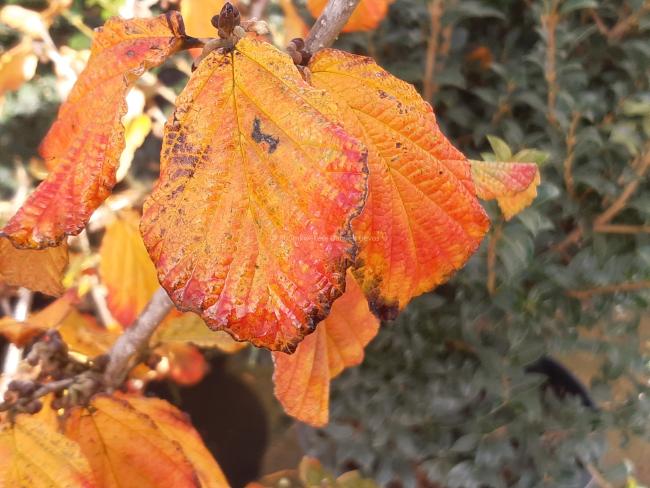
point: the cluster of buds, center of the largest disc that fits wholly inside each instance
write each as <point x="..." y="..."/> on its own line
<point x="51" y="353"/>
<point x="230" y="29"/>
<point x="70" y="382"/>
<point x="296" y="50"/>
<point x="20" y="397"/>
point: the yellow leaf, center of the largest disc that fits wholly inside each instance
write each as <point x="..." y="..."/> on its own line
<point x="175" y="425"/>
<point x="294" y="26"/>
<point x="136" y="130"/>
<point x="197" y="15"/>
<point x="512" y="184"/>
<point x="125" y="447"/>
<point x="38" y="270"/>
<point x="126" y="269"/>
<point x="83" y="335"/>
<point x="34" y="455"/>
<point x="191" y="328"/>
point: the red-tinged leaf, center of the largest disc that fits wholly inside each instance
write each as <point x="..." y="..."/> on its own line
<point x="513" y="185"/>
<point x="187" y="366"/>
<point x="34" y="455"/>
<point x="125" y="447"/>
<point x="20" y="333"/>
<point x="366" y="17"/>
<point x="126" y="269"/>
<point x="302" y="379"/>
<point x="249" y="224"/>
<point x="37" y="270"/>
<point x="422" y="220"/>
<point x="176" y="425"/>
<point x="84" y="144"/>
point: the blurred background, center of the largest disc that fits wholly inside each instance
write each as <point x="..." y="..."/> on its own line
<point x="531" y="366"/>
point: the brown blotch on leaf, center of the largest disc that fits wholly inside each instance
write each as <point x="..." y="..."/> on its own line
<point x="259" y="137"/>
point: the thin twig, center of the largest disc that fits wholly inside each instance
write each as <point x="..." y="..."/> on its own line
<point x="619" y="204"/>
<point x="436" y="9"/>
<point x="549" y="24"/>
<point x="330" y="23"/>
<point x="640" y="168"/>
<point x="623" y="26"/>
<point x="607" y="289"/>
<point x="597" y="476"/>
<point x="568" y="162"/>
<point x="128" y="348"/>
<point x="622" y="229"/>
<point x="492" y="258"/>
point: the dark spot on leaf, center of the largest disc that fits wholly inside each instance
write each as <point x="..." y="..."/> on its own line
<point x="130" y="53"/>
<point x="258" y="136"/>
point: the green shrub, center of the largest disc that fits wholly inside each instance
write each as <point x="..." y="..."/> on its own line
<point x="443" y="393"/>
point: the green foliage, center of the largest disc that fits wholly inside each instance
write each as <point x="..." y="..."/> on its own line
<point x="443" y="392"/>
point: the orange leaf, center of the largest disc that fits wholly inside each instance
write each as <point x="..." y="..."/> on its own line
<point x="302" y="379"/>
<point x="84" y="144"/>
<point x="38" y="270"/>
<point x="366" y="17"/>
<point x="294" y="26"/>
<point x="49" y="318"/>
<point x="249" y="224"/>
<point x="175" y="425"/>
<point x="513" y="185"/>
<point x="125" y="447"/>
<point x="17" y="65"/>
<point x="83" y="335"/>
<point x="422" y="220"/>
<point x="187" y="366"/>
<point x="197" y="15"/>
<point x="34" y="455"/>
<point x="126" y="269"/>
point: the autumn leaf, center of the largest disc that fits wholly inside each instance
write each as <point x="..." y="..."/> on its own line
<point x="20" y="333"/>
<point x="84" y="335"/>
<point x="126" y="269"/>
<point x="197" y="15"/>
<point x="190" y="328"/>
<point x="125" y="447"/>
<point x="37" y="270"/>
<point x="512" y="184"/>
<point x="34" y="455"/>
<point x="294" y="26"/>
<point x="175" y="425"/>
<point x="366" y="17"/>
<point x="84" y="144"/>
<point x="302" y="379"/>
<point x="17" y="65"/>
<point x="186" y="364"/>
<point x="249" y="224"/>
<point x="422" y="220"/>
